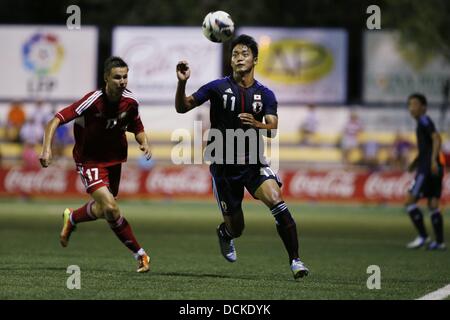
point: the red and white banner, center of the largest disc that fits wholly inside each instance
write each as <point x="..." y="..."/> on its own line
<point x="195" y="182"/>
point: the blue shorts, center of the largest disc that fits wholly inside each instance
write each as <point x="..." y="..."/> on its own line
<point x="427" y="185"/>
<point x="229" y="182"/>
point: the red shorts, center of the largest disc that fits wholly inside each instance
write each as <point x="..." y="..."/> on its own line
<point x="95" y="177"/>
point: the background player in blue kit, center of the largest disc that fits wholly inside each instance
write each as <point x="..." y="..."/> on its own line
<point x="241" y="102"/>
<point x="429" y="167"/>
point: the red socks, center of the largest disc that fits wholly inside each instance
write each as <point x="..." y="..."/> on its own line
<point x="123" y="231"/>
<point x="83" y="214"/>
<point x="120" y="227"/>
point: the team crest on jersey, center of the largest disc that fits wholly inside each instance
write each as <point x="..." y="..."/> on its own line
<point x="111" y="123"/>
<point x="257" y="106"/>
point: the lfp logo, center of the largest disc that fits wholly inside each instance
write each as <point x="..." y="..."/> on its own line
<point x="43" y="54"/>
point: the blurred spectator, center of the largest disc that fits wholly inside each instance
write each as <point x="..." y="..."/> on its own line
<point x="31" y="132"/>
<point x="370" y="155"/>
<point x="309" y="125"/>
<point x="15" y="120"/>
<point x="30" y="157"/>
<point x="61" y="140"/>
<point x="446" y="149"/>
<point x="399" y="155"/>
<point x="31" y="135"/>
<point x="350" y="136"/>
<point x="39" y="114"/>
<point x="445" y="104"/>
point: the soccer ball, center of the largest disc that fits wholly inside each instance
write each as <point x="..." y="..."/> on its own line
<point x="218" y="26"/>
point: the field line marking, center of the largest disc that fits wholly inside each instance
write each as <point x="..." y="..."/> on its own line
<point x="439" y="294"/>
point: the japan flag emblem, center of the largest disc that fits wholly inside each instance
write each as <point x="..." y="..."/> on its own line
<point x="257" y="106"/>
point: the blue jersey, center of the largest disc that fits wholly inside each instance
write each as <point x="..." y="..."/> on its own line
<point x="228" y="100"/>
<point x="424" y="131"/>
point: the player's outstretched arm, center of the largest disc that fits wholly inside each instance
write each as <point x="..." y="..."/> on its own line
<point x="46" y="155"/>
<point x="182" y="103"/>
<point x="141" y="138"/>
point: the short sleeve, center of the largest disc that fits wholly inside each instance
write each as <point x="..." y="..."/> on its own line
<point x="204" y="93"/>
<point x="136" y="125"/>
<point x="427" y="125"/>
<point x="270" y="103"/>
<point x="77" y="108"/>
<point x="68" y="114"/>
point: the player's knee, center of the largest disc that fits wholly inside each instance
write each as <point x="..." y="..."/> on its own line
<point x="111" y="211"/>
<point x="97" y="211"/>
<point x="274" y="198"/>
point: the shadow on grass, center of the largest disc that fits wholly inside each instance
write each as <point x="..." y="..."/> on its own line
<point x="124" y="272"/>
<point x="202" y="275"/>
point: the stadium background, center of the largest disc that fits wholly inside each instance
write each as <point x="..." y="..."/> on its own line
<point x="317" y="53"/>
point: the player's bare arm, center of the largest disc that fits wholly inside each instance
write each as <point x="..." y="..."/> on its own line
<point x="182" y="103"/>
<point x="270" y="122"/>
<point x="46" y="154"/>
<point x="436" y="138"/>
<point x="141" y="138"/>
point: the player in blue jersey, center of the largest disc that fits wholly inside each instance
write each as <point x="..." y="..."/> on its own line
<point x="429" y="166"/>
<point x="239" y="102"/>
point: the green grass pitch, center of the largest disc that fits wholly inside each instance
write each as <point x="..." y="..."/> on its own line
<point x="337" y="242"/>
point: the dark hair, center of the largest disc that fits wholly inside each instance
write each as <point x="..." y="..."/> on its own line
<point x="422" y="99"/>
<point x="247" y="41"/>
<point x="113" y="62"/>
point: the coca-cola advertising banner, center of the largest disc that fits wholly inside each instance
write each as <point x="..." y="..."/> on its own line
<point x="195" y="182"/>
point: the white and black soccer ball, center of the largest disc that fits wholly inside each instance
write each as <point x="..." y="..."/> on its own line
<point x="218" y="26"/>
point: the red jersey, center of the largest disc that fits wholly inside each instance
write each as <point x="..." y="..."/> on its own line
<point x="100" y="127"/>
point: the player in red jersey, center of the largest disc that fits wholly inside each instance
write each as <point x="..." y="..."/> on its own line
<point x="101" y="119"/>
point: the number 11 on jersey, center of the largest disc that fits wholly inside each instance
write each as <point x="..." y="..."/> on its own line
<point x="225" y="99"/>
